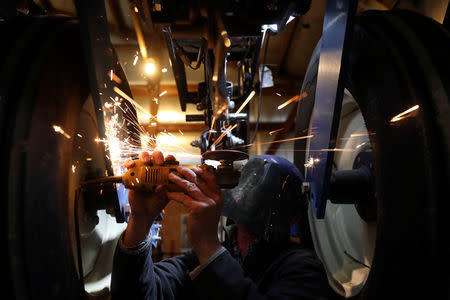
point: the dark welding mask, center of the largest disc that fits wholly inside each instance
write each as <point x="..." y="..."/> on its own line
<point x="267" y="199"/>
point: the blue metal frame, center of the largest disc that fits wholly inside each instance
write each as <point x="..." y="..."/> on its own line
<point x="337" y="29"/>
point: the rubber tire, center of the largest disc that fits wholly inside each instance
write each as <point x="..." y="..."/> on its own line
<point x="43" y="81"/>
<point x="399" y="59"/>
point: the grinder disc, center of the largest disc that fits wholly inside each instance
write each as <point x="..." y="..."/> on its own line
<point x="229" y="155"/>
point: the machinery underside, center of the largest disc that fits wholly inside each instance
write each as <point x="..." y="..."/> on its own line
<point x="369" y="130"/>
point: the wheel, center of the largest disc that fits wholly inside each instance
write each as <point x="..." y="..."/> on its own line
<point x="398" y="60"/>
<point x="47" y="132"/>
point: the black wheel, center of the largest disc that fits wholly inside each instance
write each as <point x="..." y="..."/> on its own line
<point x="45" y="113"/>
<point x="398" y="63"/>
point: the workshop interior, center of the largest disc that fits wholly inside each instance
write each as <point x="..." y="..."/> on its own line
<point x="355" y="93"/>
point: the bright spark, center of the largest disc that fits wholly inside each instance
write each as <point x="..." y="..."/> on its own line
<point x="150" y="68"/>
<point x="212" y="126"/>
<point x="404" y="114"/>
<point x="164" y="70"/>
<point x="229" y="129"/>
<point x="141" y="109"/>
<point x="61" y="131"/>
<point x="135" y="60"/>
<point x="362" y="134"/>
<point x="358" y="146"/>
<point x="311" y="161"/>
<point x="275" y="131"/>
<point x="296" y="98"/>
<point x="250" y="96"/>
<point x="277" y="141"/>
<point x="163" y="93"/>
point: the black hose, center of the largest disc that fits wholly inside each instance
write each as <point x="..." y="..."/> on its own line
<point x="108" y="179"/>
<point x="269" y="33"/>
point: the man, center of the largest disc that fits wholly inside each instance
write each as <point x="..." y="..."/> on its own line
<point x="259" y="262"/>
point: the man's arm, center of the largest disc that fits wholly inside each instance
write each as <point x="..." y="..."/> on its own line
<point x="298" y="275"/>
<point x="135" y="276"/>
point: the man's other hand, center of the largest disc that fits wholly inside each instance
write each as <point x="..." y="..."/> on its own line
<point x="145" y="206"/>
<point x="203" y="197"/>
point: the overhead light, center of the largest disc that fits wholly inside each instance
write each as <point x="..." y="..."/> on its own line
<point x="150" y="68"/>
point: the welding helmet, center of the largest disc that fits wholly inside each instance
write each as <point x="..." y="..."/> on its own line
<point x="267" y="199"/>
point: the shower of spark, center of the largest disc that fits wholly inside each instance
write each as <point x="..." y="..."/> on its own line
<point x="125" y="138"/>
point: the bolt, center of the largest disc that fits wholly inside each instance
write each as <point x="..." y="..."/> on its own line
<point x="305" y="187"/>
<point x="127" y="210"/>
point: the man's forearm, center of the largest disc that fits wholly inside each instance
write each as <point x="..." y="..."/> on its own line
<point x="137" y="230"/>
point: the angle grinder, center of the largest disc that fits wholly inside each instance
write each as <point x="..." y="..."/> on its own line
<point x="144" y="177"/>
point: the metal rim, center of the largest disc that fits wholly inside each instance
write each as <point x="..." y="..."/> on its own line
<point x="98" y="230"/>
<point x="343" y="240"/>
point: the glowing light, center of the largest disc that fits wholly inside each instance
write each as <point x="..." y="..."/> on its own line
<point x="250" y="96"/>
<point x="404" y="114"/>
<point x="150" y="68"/>
<point x="136" y="9"/>
<point x="226" y="39"/>
<point x="135" y="60"/>
<point x="163" y="93"/>
<point x="58" y="129"/>
<point x="164" y="70"/>
<point x="273" y="27"/>
<point x="73" y="168"/>
<point x="227" y="42"/>
<point x="165" y="140"/>
<point x="170" y="117"/>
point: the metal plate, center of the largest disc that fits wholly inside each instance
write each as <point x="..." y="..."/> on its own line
<point x="328" y="100"/>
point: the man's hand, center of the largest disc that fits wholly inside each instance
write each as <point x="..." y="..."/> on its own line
<point x="145" y="206"/>
<point x="204" y="200"/>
